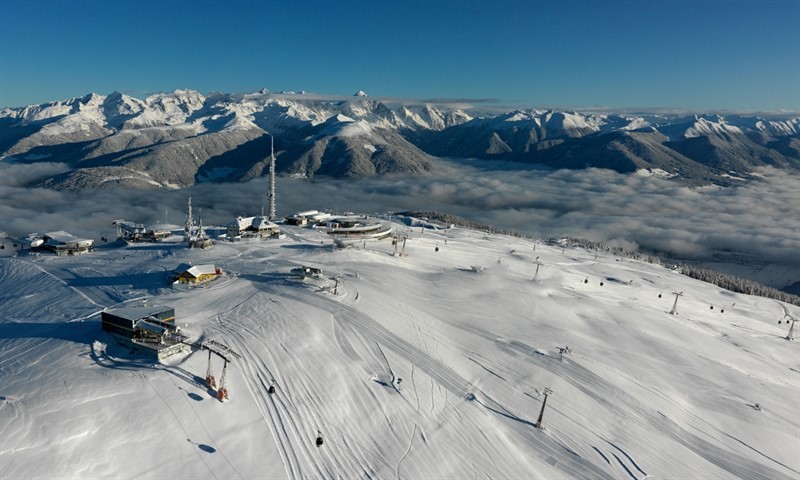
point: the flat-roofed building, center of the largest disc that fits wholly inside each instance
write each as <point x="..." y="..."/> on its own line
<point x="150" y="329"/>
<point x="63" y="243"/>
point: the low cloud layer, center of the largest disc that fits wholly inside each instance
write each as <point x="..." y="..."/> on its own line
<point x="760" y="218"/>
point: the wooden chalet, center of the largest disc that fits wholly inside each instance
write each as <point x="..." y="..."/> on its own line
<point x="187" y="274"/>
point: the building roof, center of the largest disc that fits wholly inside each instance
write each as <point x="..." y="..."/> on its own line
<point x="182" y="268"/>
<point x="307" y="213"/>
<point x="131" y="226"/>
<point x="63" y="237"/>
<point x="136" y="313"/>
<point x="163" y="227"/>
<point x="258" y="223"/>
<point x="262" y="223"/>
<point x="150" y="327"/>
<point x="241" y="222"/>
<point x="196" y="270"/>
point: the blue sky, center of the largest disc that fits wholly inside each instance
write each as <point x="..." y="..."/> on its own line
<point x="699" y="55"/>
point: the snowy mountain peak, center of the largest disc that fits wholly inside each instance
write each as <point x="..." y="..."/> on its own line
<point x="340" y="118"/>
<point x="341" y="125"/>
<point x="360" y="93"/>
<point x="112" y="127"/>
<point x="709" y="125"/>
<point x="518" y="116"/>
<point x="91" y="100"/>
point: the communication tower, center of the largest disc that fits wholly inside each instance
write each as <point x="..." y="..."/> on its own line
<point x="271" y="178"/>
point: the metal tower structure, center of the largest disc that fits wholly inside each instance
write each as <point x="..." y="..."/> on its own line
<point x="225" y="352"/>
<point x="792" y="320"/>
<point x="547" y="392"/>
<point x="271" y="178"/>
<point x="674" y="310"/>
<point x="538" y="264"/>
<point x="189" y="229"/>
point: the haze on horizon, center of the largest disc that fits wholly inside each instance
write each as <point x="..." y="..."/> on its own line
<point x="616" y="55"/>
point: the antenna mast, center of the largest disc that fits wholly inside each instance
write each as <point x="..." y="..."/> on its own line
<point x="271" y="178"/>
<point x="189" y="229"/>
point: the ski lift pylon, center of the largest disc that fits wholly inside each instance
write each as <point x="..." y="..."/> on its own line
<point x="222" y="393"/>
<point x="210" y="380"/>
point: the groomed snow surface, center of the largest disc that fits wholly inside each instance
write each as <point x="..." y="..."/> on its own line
<point x="416" y="367"/>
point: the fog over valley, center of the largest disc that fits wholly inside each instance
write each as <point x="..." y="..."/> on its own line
<point x="755" y="222"/>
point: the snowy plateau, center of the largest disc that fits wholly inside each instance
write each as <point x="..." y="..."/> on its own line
<point x="429" y="365"/>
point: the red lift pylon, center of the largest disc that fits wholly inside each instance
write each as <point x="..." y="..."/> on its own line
<point x="222" y="393"/>
<point x="210" y="380"/>
<point x="222" y="351"/>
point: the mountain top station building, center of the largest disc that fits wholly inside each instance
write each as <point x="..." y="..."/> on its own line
<point x="130" y="232"/>
<point x="149" y="329"/>
<point x="62" y="243"/>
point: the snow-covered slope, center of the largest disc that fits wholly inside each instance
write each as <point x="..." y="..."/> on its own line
<point x="431" y="365"/>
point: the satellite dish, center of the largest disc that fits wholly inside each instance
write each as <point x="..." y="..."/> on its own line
<point x="36" y="242"/>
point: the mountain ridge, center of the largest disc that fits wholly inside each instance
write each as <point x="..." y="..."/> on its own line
<point x="171" y="137"/>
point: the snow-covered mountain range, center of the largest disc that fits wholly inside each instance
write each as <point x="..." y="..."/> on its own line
<point x="184" y="137"/>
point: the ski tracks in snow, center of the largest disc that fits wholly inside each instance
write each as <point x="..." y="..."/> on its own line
<point x="443" y="375"/>
<point x="261" y="398"/>
<point x="189" y="429"/>
<point x="405" y="454"/>
<point x="293" y="430"/>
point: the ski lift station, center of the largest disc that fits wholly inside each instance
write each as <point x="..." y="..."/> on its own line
<point x="130" y="232"/>
<point x="148" y="329"/>
<point x="62" y="243"/>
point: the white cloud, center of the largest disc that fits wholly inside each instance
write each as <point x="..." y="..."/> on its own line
<point x="760" y="218"/>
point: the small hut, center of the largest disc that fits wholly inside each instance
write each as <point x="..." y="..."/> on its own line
<point x="188" y="274"/>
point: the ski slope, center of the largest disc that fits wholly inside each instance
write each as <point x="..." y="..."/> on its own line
<point x="421" y="366"/>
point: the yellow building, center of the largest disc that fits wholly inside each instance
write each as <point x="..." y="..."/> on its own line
<point x="194" y="274"/>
